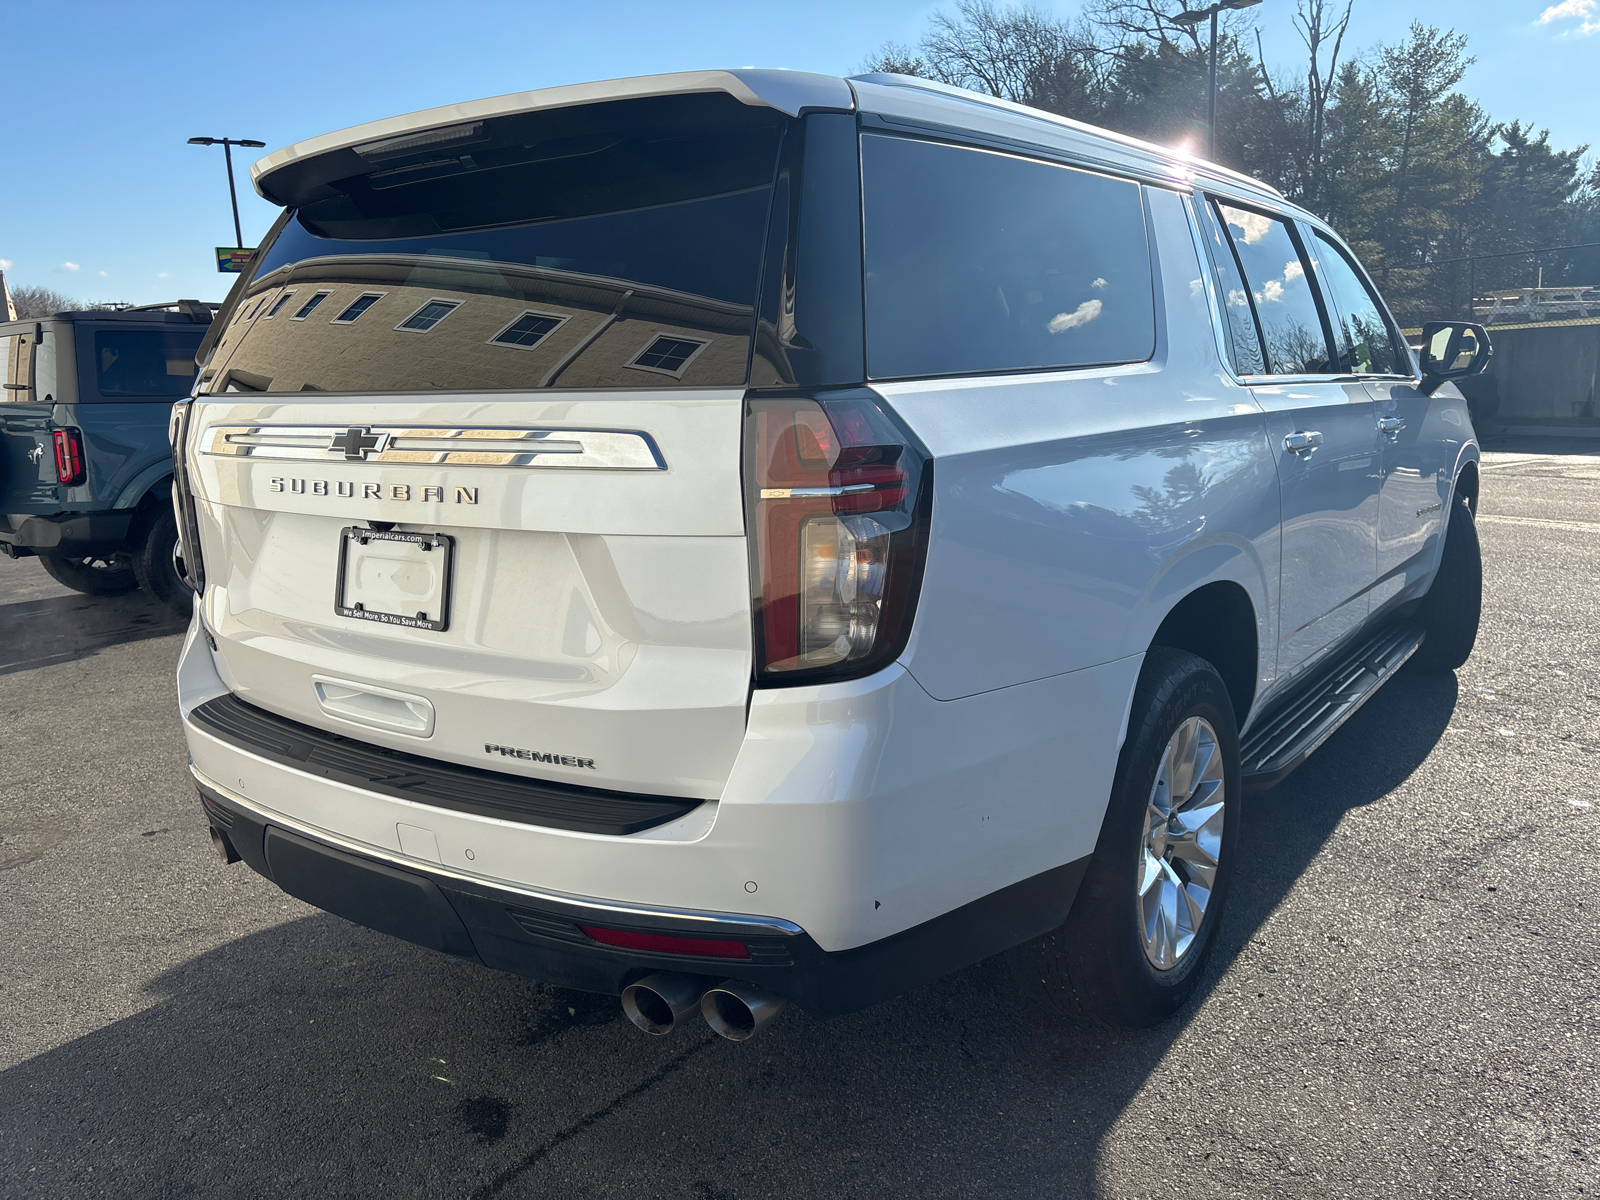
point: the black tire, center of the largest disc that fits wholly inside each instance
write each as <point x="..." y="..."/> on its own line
<point x="91" y="575"/>
<point x="153" y="562"/>
<point x="1450" y="610"/>
<point x="1096" y="964"/>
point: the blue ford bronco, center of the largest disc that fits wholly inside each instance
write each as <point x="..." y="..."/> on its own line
<point x="85" y="465"/>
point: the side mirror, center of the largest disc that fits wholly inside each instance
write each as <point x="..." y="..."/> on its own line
<point x="1452" y="350"/>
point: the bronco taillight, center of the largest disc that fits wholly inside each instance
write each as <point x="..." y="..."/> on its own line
<point x="189" y="565"/>
<point x="837" y="500"/>
<point x="70" y="466"/>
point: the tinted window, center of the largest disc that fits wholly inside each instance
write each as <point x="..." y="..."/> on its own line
<point x="978" y="261"/>
<point x="1363" y="337"/>
<point x="140" y="364"/>
<point x="1275" y="274"/>
<point x="1238" y="315"/>
<point x="618" y="223"/>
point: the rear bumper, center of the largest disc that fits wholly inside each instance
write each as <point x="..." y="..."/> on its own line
<point x="541" y="936"/>
<point x="87" y="533"/>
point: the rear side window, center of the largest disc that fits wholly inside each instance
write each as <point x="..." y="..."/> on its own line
<point x="542" y="250"/>
<point x="1279" y="289"/>
<point x="1364" y="339"/>
<point x="981" y="262"/>
<point x="139" y="364"/>
<point x="1238" y="313"/>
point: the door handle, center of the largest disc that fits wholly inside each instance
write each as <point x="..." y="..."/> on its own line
<point x="1302" y="441"/>
<point x="1391" y="425"/>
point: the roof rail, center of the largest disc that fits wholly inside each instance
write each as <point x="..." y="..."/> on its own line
<point x="195" y="310"/>
<point x="889" y="79"/>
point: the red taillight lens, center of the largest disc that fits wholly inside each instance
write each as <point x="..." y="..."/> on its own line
<point x="666" y="943"/>
<point x="837" y="503"/>
<point x="70" y="468"/>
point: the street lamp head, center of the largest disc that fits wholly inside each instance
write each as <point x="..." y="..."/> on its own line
<point x="1193" y="17"/>
<point x="1240" y="3"/>
<point x="251" y="142"/>
<point x="202" y="141"/>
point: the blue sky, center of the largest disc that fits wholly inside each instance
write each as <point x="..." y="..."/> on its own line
<point x="102" y="198"/>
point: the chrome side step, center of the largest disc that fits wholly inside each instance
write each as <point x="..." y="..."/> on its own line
<point x="1288" y="735"/>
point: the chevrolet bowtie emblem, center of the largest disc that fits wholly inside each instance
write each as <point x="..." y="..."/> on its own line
<point x="357" y="441"/>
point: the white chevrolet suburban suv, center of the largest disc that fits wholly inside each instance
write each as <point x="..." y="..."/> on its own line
<point x="740" y="538"/>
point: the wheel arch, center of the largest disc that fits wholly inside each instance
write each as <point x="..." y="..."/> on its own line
<point x="1218" y="622"/>
<point x="1467" y="483"/>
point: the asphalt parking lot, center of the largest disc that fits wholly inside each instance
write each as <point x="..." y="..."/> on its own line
<point x="1405" y="998"/>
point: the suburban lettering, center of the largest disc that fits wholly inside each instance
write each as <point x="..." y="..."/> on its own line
<point x="429" y="494"/>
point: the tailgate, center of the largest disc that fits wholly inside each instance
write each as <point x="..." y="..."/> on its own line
<point x="593" y="626"/>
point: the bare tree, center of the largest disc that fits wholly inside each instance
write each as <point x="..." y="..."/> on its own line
<point x="894" y="58"/>
<point x="1019" y="53"/>
<point x="1147" y="21"/>
<point x="1317" y="25"/>
<point x="39" y="301"/>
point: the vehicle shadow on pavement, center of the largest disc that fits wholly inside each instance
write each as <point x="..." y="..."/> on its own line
<point x="316" y="1057"/>
<point x="40" y="633"/>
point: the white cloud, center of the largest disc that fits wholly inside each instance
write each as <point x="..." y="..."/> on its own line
<point x="1078" y="317"/>
<point x="162" y="274"/>
<point x="5" y="264"/>
<point x="1238" y="299"/>
<point x="1271" y="292"/>
<point x="1293" y="270"/>
<point x="1098" y="283"/>
<point x="1570" y="10"/>
<point x="69" y="266"/>
<point x="1253" y="225"/>
<point x="105" y="274"/>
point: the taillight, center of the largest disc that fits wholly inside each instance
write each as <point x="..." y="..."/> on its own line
<point x="838" y="496"/>
<point x="189" y="565"/>
<point x="70" y="467"/>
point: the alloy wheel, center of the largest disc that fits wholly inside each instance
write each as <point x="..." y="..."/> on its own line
<point x="1182" y="841"/>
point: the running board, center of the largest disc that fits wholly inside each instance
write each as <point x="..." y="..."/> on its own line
<point x="1293" y="730"/>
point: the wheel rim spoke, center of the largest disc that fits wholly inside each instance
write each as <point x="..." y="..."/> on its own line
<point x="1184" y="821"/>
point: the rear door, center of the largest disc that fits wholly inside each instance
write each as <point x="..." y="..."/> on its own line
<point x="468" y="453"/>
<point x="1322" y="426"/>
<point x="1418" y="444"/>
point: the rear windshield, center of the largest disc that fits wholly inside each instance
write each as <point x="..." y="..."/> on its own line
<point x="137" y="364"/>
<point x="612" y="246"/>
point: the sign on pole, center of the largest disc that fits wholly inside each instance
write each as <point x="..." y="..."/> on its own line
<point x="233" y="259"/>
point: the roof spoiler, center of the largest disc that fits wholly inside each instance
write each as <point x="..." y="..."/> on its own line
<point x="283" y="176"/>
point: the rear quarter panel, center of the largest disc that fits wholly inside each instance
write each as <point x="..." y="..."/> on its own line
<point x="126" y="445"/>
<point x="1073" y="510"/>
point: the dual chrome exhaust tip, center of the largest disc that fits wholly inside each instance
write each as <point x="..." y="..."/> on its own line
<point x="734" y="1009"/>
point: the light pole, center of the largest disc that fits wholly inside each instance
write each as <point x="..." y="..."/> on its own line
<point x="1194" y="16"/>
<point x="227" y="145"/>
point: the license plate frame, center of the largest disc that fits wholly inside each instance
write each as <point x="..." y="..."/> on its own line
<point x="354" y="606"/>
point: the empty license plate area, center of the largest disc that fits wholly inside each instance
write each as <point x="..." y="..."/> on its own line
<point x="396" y="578"/>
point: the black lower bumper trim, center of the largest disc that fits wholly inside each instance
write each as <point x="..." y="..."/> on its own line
<point x="544" y="939"/>
<point x="69" y="534"/>
<point x="430" y="781"/>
